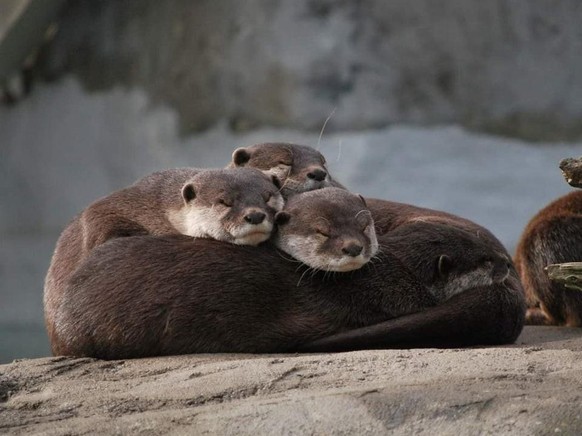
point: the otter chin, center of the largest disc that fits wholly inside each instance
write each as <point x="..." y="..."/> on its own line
<point x="252" y="238"/>
<point x="329" y="229"/>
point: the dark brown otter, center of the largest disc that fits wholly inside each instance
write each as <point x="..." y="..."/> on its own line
<point x="233" y="205"/>
<point x="299" y="167"/>
<point x="554" y="235"/>
<point x="147" y="296"/>
<point x="479" y="299"/>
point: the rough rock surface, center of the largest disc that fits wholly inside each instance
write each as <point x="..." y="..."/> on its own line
<point x="532" y="387"/>
<point x="508" y="67"/>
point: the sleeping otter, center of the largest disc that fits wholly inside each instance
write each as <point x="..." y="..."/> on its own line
<point x="147" y="296"/>
<point x="329" y="229"/>
<point x="300" y="168"/>
<point x="233" y="205"/>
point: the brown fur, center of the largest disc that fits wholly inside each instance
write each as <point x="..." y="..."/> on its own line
<point x="487" y="309"/>
<point x="478" y="313"/>
<point x="144" y="209"/>
<point x="554" y="235"/>
<point x="299" y="167"/>
<point x="148" y="296"/>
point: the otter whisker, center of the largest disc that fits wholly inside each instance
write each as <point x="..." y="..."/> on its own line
<point x="323" y="127"/>
<point x="301" y="278"/>
<point x="289" y="259"/>
<point x="363" y="211"/>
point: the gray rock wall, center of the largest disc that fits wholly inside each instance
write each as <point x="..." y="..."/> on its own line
<point x="511" y="67"/>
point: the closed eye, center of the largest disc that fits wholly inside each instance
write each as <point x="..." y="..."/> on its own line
<point x="322" y="233"/>
<point x="224" y="202"/>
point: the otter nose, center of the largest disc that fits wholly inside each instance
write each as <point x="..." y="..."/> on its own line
<point x="317" y="174"/>
<point x="255" y="217"/>
<point x="352" y="249"/>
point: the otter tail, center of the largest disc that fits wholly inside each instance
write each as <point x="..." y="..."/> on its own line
<point x="490" y="315"/>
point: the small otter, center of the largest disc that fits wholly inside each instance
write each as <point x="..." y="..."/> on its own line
<point x="149" y="296"/>
<point x="337" y="234"/>
<point x="554" y="235"/>
<point x="299" y="167"/>
<point x="232" y="205"/>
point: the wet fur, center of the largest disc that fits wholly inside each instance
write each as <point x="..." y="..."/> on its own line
<point x="554" y="235"/>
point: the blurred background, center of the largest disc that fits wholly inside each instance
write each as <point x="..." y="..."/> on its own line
<point x="465" y="106"/>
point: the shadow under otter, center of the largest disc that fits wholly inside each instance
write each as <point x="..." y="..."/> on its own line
<point x="147" y="296"/>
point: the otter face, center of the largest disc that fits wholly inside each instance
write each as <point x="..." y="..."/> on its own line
<point x="453" y="276"/>
<point x="448" y="260"/>
<point x="233" y="205"/>
<point x="329" y="229"/>
<point x="300" y="168"/>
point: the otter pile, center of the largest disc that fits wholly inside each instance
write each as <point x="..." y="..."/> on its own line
<point x="178" y="263"/>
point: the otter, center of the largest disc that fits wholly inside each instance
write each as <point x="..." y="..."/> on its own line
<point x="329" y="229"/>
<point x="553" y="235"/>
<point x="300" y="168"/>
<point x="148" y="296"/>
<point x="232" y="205"/>
<point x="479" y="300"/>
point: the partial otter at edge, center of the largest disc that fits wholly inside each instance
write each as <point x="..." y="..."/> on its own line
<point x="554" y="235"/>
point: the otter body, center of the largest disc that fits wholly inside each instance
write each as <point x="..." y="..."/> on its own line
<point x="554" y="235"/>
<point x="233" y="205"/>
<point x="147" y="296"/>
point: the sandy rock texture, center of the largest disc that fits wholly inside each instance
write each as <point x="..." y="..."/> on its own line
<point x="532" y="387"/>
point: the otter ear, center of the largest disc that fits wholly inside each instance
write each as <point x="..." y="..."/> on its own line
<point x="240" y="157"/>
<point x="282" y="218"/>
<point x="444" y="265"/>
<point x="363" y="199"/>
<point x="276" y="181"/>
<point x="188" y="193"/>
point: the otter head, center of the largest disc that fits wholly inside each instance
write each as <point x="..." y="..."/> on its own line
<point x="329" y="229"/>
<point x="234" y="205"/>
<point x="299" y="167"/>
<point x="447" y="259"/>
